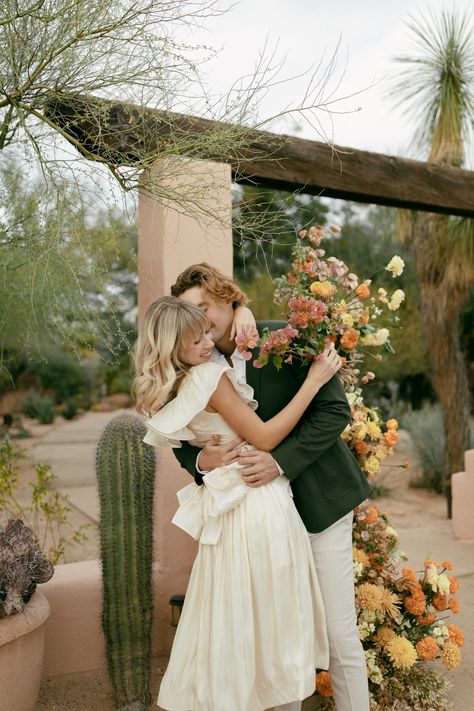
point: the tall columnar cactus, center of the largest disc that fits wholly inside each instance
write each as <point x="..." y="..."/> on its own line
<point x="125" y="471"/>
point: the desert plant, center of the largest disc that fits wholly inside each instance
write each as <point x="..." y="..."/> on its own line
<point x="39" y="407"/>
<point x="428" y="434"/>
<point x="125" y="472"/>
<point x="22" y="566"/>
<point x="46" y="511"/>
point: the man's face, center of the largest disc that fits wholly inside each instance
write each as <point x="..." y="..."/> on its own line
<point x="220" y="315"/>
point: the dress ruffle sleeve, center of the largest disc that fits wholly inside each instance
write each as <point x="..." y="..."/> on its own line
<point x="170" y="424"/>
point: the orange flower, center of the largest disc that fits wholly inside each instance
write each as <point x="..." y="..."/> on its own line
<point x="415" y="603"/>
<point x="429" y="562"/>
<point x="446" y="564"/>
<point x="427" y="648"/>
<point x="390" y="438"/>
<point x="360" y="446"/>
<point x="454" y="585"/>
<point x="323" y="684"/>
<point x="349" y="339"/>
<point x="364" y="317"/>
<point x="456" y="635"/>
<point x="363" y="291"/>
<point x="371" y="515"/>
<point x="439" y="602"/>
<point x="392" y="424"/>
<point x="409" y="574"/>
<point x="427" y="618"/>
<point x="453" y="605"/>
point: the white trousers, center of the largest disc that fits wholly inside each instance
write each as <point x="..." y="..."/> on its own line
<point x="332" y="551"/>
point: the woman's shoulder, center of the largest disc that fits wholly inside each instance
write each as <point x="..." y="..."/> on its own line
<point x="170" y="424"/>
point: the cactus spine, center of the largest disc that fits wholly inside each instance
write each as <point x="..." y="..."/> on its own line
<point x="125" y="469"/>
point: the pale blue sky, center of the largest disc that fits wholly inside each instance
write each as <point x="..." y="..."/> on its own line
<point x="371" y="33"/>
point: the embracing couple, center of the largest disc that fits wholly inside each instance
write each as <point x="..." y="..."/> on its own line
<point x="271" y="594"/>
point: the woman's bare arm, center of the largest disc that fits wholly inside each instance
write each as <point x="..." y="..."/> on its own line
<point x="266" y="435"/>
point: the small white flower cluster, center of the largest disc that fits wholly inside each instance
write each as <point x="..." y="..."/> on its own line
<point x="395" y="266"/>
<point x="441" y="634"/>
<point x="376" y="339"/>
<point x="365" y="629"/>
<point x="397" y="297"/>
<point x="373" y="670"/>
<point x="358" y="569"/>
<point x="439" y="583"/>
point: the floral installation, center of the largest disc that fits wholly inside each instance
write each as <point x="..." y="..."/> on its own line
<point x="401" y="614"/>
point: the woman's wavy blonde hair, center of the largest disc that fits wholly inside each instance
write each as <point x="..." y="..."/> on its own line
<point x="169" y="324"/>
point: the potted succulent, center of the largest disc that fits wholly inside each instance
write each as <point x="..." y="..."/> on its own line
<point x="23" y="612"/>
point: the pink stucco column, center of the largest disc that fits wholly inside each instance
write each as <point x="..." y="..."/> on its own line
<point x="170" y="238"/>
<point x="462" y="485"/>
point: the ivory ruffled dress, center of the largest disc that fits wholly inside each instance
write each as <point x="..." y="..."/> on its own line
<point x="252" y="629"/>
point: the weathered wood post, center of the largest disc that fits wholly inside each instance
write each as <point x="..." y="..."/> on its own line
<point x="169" y="240"/>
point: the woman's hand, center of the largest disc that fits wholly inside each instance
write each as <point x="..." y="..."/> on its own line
<point x="243" y="321"/>
<point x="324" y="366"/>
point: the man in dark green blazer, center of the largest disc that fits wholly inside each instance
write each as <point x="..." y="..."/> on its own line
<point x="326" y="481"/>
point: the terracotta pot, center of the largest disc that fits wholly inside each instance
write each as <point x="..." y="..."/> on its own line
<point x="21" y="655"/>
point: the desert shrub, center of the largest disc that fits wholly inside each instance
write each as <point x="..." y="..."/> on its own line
<point x="39" y="407"/>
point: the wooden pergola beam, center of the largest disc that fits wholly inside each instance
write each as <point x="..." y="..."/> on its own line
<point x="124" y="133"/>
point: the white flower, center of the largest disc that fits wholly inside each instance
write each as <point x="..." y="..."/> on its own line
<point x="395" y="266"/>
<point x="431" y="577"/>
<point x="358" y="569"/>
<point x="397" y="297"/>
<point x="392" y="532"/>
<point x="443" y="583"/>
<point x="376" y="339"/>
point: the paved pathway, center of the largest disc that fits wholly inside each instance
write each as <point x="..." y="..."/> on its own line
<point x="70" y="450"/>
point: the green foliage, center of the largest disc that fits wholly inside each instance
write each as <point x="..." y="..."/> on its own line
<point x="428" y="434"/>
<point x="125" y="469"/>
<point x="47" y="511"/>
<point x="276" y="216"/>
<point x="39" y="407"/>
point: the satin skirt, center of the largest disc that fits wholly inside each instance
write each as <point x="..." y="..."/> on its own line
<point x="253" y="627"/>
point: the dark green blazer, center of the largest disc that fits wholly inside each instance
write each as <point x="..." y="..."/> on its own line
<point x="326" y="479"/>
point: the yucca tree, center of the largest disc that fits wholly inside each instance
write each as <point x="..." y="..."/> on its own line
<point x="435" y="86"/>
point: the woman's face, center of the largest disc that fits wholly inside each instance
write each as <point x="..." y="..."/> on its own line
<point x="197" y="349"/>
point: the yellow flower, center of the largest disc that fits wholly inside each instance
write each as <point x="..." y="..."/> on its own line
<point x="395" y="266"/>
<point x="369" y="596"/>
<point x="397" y="297"/>
<point x="401" y="652"/>
<point x="372" y="465"/>
<point x="373" y="430"/>
<point x="390" y="602"/>
<point x="451" y="655"/>
<point x="323" y="289"/>
<point x="383" y="636"/>
<point x="360" y="556"/>
<point x="347" y="320"/>
<point x="361" y="431"/>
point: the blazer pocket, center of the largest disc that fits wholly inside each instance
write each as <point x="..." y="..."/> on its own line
<point x="335" y="484"/>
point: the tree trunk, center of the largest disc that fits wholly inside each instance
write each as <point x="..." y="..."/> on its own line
<point x="449" y="377"/>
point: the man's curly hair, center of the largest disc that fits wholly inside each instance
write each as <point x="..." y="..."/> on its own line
<point x="219" y="286"/>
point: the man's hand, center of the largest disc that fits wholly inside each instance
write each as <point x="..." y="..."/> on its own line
<point x="260" y="468"/>
<point x="214" y="454"/>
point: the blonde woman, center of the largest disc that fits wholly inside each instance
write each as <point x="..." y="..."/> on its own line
<point x="252" y="629"/>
